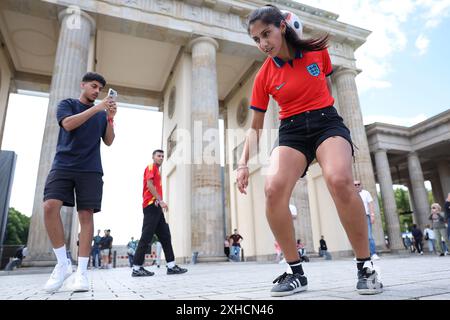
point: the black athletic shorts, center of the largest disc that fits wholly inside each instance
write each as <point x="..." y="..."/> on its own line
<point x="306" y="131"/>
<point x="85" y="187"/>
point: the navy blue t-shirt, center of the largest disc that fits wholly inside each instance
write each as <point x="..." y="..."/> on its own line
<point x="79" y="149"/>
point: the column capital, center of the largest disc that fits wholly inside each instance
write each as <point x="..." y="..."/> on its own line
<point x="341" y="70"/>
<point x="412" y="154"/>
<point x="202" y="39"/>
<point x="381" y="150"/>
<point x="76" y="13"/>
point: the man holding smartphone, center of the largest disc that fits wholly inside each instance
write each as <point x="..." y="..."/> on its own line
<point x="77" y="168"/>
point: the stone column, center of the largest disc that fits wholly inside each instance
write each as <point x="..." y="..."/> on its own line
<point x="303" y="228"/>
<point x="444" y="176"/>
<point x="207" y="213"/>
<point x="350" y="110"/>
<point x="70" y="66"/>
<point x="389" y="205"/>
<point x="436" y="188"/>
<point x="227" y="226"/>
<point x="5" y="81"/>
<point x="421" y="211"/>
<point x="412" y="202"/>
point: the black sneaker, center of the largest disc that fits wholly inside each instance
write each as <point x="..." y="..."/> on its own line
<point x="288" y="284"/>
<point x="368" y="281"/>
<point x="142" y="272"/>
<point x="176" y="270"/>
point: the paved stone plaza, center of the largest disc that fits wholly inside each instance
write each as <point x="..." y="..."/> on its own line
<point x="405" y="277"/>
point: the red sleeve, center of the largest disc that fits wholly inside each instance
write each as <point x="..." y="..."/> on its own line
<point x="260" y="98"/>
<point x="149" y="173"/>
<point x="327" y="66"/>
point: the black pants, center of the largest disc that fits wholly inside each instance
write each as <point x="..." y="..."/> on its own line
<point x="154" y="223"/>
<point x="418" y="244"/>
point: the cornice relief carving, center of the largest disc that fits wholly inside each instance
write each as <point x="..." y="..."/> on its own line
<point x="185" y="11"/>
<point x="342" y="50"/>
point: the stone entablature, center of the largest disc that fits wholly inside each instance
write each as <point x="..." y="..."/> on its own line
<point x="219" y="16"/>
<point x="415" y="138"/>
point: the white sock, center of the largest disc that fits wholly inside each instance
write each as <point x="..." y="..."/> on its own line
<point x="135" y="267"/>
<point x="82" y="264"/>
<point x="61" y="255"/>
<point x="170" y="264"/>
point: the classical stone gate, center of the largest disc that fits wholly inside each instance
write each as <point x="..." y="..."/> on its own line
<point x="195" y="61"/>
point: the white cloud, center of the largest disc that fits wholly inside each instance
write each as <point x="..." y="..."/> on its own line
<point x="422" y="43"/>
<point x="138" y="133"/>
<point x="384" y="19"/>
<point x="387" y="19"/>
<point x="26" y="146"/>
<point x="435" y="11"/>
<point x="400" y="121"/>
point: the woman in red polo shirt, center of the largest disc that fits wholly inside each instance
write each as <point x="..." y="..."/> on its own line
<point x="295" y="75"/>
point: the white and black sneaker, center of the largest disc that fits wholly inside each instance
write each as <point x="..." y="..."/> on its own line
<point x="368" y="280"/>
<point x="176" y="270"/>
<point x="288" y="284"/>
<point x="142" y="272"/>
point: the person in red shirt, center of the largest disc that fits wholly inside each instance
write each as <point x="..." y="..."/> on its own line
<point x="295" y="74"/>
<point x="154" y="221"/>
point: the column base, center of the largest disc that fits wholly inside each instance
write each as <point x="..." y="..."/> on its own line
<point x="201" y="259"/>
<point x="39" y="259"/>
<point x="39" y="263"/>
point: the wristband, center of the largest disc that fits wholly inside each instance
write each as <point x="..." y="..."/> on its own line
<point x="111" y="121"/>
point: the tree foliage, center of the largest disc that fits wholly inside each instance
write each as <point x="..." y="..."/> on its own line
<point x="404" y="209"/>
<point x="17" y="228"/>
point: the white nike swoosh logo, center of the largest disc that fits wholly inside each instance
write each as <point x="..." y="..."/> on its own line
<point x="280" y="86"/>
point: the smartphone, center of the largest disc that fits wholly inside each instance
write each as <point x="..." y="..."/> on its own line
<point x="112" y="93"/>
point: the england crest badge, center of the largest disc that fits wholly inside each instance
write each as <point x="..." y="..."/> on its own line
<point x="313" y="69"/>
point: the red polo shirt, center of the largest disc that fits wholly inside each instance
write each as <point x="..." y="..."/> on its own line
<point x="298" y="85"/>
<point x="151" y="173"/>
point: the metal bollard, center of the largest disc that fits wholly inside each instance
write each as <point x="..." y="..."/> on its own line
<point x="194" y="257"/>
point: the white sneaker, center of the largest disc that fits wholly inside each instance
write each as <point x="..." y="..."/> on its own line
<point x="80" y="283"/>
<point x="375" y="257"/>
<point x="59" y="274"/>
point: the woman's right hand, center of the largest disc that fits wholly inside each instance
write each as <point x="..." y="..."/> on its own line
<point x="242" y="178"/>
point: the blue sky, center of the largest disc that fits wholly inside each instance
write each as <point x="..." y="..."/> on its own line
<point x="420" y="83"/>
<point x="404" y="81"/>
<point x="405" y="61"/>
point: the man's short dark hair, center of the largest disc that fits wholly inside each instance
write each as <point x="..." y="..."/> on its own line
<point x="157" y="151"/>
<point x="93" y="76"/>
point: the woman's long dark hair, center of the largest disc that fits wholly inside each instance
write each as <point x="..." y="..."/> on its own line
<point x="270" y="14"/>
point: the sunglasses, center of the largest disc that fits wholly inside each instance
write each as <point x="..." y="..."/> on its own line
<point x="433" y="207"/>
<point x="357" y="184"/>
